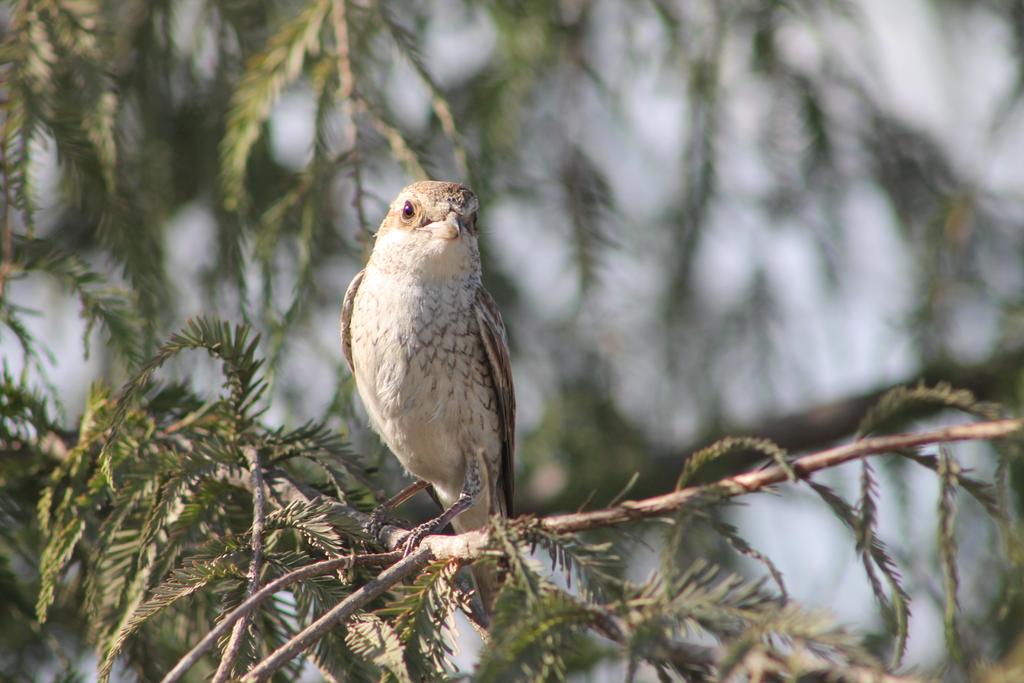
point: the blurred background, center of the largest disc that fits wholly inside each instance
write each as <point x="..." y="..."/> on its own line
<point x="698" y="218"/>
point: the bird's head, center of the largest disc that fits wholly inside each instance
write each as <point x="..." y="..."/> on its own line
<point x="430" y="228"/>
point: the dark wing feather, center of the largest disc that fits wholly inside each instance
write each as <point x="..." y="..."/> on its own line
<point x="346" y="317"/>
<point x="492" y="333"/>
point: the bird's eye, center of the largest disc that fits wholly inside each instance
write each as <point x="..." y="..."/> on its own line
<point x="408" y="210"/>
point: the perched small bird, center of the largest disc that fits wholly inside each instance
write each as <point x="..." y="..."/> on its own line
<point x="428" y="350"/>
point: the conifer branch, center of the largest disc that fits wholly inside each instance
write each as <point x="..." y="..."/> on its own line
<point x="470" y="545"/>
<point x="253" y="601"/>
<point x="347" y="95"/>
<point x="258" y="519"/>
<point x="340" y="612"/>
<point x="8" y="240"/>
<point x="749" y="482"/>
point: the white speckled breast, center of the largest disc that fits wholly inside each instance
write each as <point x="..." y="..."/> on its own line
<point x="423" y="374"/>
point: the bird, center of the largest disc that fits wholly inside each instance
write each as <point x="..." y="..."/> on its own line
<point x="429" y="352"/>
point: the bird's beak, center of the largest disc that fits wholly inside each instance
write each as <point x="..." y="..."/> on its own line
<point x="448" y="229"/>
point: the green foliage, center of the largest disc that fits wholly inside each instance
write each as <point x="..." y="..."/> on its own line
<point x="896" y="409"/>
<point x="53" y="50"/>
<point x="422" y="617"/>
<point x="182" y="583"/>
<point x="902" y="405"/>
<point x="405" y="41"/>
<point x="535" y="624"/>
<point x="732" y="536"/>
<point x="876" y="558"/>
<point x="266" y="75"/>
<point x="377" y="641"/>
<point x="591" y="567"/>
<point x="317" y="523"/>
<point x="723" y="447"/>
<point x="113" y="308"/>
<point x="241" y="380"/>
<point x="948" y="548"/>
<point x="169" y="547"/>
<point x="531" y="635"/>
<point x="71" y="489"/>
<point x="175" y="528"/>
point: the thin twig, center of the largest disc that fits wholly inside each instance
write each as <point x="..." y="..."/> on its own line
<point x="250" y="604"/>
<point x="259" y="514"/>
<point x="440" y="105"/>
<point x="749" y="482"/>
<point x="823" y="423"/>
<point x="399" y="147"/>
<point x="469" y="545"/>
<point x="8" y="239"/>
<point x="347" y="94"/>
<point x="340" y="612"/>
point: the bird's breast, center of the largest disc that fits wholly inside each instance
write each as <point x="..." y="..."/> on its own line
<point x="421" y="371"/>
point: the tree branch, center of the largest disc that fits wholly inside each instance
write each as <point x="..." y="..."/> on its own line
<point x="278" y="584"/>
<point x="470" y="545"/>
<point x="227" y="662"/>
<point x="347" y="95"/>
<point x="749" y="482"/>
<point x="808" y="429"/>
<point x="7" y="228"/>
<point x="826" y="423"/>
<point x="343" y="610"/>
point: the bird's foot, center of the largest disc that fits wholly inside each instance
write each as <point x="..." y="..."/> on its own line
<point x="432" y="526"/>
<point x="381" y="515"/>
<point x="416" y="535"/>
<point x="379" y="518"/>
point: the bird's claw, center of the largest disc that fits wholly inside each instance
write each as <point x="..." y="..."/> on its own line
<point x="415" y="536"/>
<point x="378" y="519"/>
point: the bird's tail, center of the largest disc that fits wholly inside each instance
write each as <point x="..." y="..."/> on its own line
<point x="486" y="576"/>
<point x="488" y="583"/>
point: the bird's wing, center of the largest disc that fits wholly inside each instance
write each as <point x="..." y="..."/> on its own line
<point x="346" y="318"/>
<point x="492" y="333"/>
